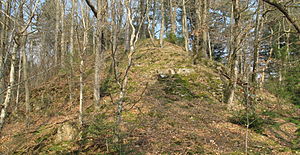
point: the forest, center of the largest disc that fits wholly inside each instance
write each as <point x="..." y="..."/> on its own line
<point x="150" y="77"/>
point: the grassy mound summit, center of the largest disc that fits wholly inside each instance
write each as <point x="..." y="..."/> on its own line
<point x="172" y="107"/>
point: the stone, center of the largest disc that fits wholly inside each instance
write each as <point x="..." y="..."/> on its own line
<point x="66" y="132"/>
<point x="185" y="71"/>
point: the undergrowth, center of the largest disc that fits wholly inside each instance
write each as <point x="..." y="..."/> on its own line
<point x="252" y="120"/>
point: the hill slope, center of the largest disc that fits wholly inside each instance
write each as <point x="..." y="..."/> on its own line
<point x="172" y="107"/>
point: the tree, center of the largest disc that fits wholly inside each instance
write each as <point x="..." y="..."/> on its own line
<point x="99" y="14"/>
<point x="62" y="44"/>
<point x="258" y="25"/>
<point x="234" y="52"/>
<point x="162" y="24"/>
<point x="81" y="66"/>
<point x="172" y="17"/>
<point x="185" y="26"/>
<point x="57" y="19"/>
<point x="18" y="33"/>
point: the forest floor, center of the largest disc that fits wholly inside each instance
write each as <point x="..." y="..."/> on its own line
<point x="172" y="107"/>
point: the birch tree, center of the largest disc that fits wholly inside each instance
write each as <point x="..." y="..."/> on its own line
<point x="16" y="32"/>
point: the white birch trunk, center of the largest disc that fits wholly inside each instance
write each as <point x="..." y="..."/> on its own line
<point x="9" y="88"/>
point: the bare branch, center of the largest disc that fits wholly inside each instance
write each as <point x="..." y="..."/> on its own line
<point x="285" y="12"/>
<point x="88" y="2"/>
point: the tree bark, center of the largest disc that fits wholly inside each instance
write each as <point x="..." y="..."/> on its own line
<point x="230" y="92"/>
<point x="256" y="44"/>
<point x="19" y="77"/>
<point x="9" y="88"/>
<point x="62" y="44"/>
<point x="25" y="77"/>
<point x="2" y="38"/>
<point x="204" y="22"/>
<point x="127" y="35"/>
<point x="172" y="17"/>
<point x="71" y="53"/>
<point x="154" y="18"/>
<point x="162" y="24"/>
<point x="99" y="54"/>
<point x="57" y="19"/>
<point x="81" y="67"/>
<point x="185" y="27"/>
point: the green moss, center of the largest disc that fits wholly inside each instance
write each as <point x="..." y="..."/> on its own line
<point x="175" y="85"/>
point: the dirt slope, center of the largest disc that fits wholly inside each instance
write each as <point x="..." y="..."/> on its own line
<point x="173" y="107"/>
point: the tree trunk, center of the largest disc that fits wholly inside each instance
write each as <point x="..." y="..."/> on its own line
<point x="25" y="74"/>
<point x="229" y="96"/>
<point x="74" y="6"/>
<point x="83" y="52"/>
<point x="172" y="17"/>
<point x="71" y="53"/>
<point x="99" y="54"/>
<point x="2" y="38"/>
<point x="153" y="18"/>
<point x="9" y="88"/>
<point x="19" y="78"/>
<point x="162" y="24"/>
<point x="57" y="19"/>
<point x="127" y="35"/>
<point x="62" y="44"/>
<point x="198" y="31"/>
<point x="204" y="18"/>
<point x="256" y="44"/>
<point x="185" y="27"/>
